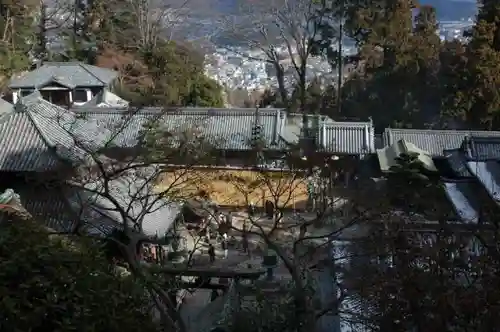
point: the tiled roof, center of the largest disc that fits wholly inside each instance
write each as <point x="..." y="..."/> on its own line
<point x="71" y="137"/>
<point x="476" y="168"/>
<point x="463" y="195"/>
<point x="70" y="74"/>
<point x="482" y="148"/>
<point x="387" y="156"/>
<point x="433" y="141"/>
<point x="134" y="192"/>
<point x="22" y="148"/>
<point x="229" y="129"/>
<point x="333" y="137"/>
<point x="348" y="137"/>
<point x="457" y="162"/>
<point x="63" y="207"/>
<point x="47" y="205"/>
<point x="5" y="107"/>
<point x="40" y="136"/>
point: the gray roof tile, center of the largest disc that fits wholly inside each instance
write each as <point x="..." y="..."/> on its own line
<point x="488" y="174"/>
<point x="457" y="162"/>
<point x="433" y="141"/>
<point x="72" y="138"/>
<point x="135" y="195"/>
<point x="229" y="129"/>
<point x="463" y="195"/>
<point x="48" y="206"/>
<point x="22" y="147"/>
<point x="69" y="74"/>
<point x="482" y="148"/>
<point x="333" y="137"/>
<point x="348" y="138"/>
<point x="5" y="107"/>
<point x="39" y="136"/>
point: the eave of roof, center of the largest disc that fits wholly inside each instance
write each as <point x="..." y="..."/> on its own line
<point x="31" y="80"/>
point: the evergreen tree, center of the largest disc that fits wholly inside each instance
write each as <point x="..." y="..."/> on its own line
<point x="427" y="46"/>
<point x="454" y="84"/>
<point x="383" y="30"/>
<point x="484" y="68"/>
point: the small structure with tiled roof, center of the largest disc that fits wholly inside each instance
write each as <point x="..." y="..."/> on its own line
<point x="63" y="83"/>
<point x="433" y="141"/>
<point x="332" y="137"/>
<point x="467" y="161"/>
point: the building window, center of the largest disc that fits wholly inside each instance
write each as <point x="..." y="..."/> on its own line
<point x="80" y="96"/>
<point x="26" y="92"/>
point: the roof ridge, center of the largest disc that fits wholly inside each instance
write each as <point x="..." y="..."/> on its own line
<point x="84" y="66"/>
<point x="440" y="131"/>
<point x="108" y="110"/>
<point x="64" y="63"/>
<point x="44" y="137"/>
<point x="37" y="125"/>
<point x="460" y="180"/>
<point x="347" y="124"/>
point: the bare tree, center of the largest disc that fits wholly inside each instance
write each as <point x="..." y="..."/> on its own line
<point x="299" y="240"/>
<point x="156" y="19"/>
<point x="282" y="32"/>
<point x="117" y="163"/>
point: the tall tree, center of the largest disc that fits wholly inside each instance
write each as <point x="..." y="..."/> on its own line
<point x="16" y="27"/>
<point x="484" y="68"/>
<point x="427" y="46"/>
<point x="454" y="84"/>
<point x="283" y="32"/>
<point x="383" y="31"/>
<point x="40" y="50"/>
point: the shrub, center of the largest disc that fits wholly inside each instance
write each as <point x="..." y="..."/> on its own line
<point x="49" y="283"/>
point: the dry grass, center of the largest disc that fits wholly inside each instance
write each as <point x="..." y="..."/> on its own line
<point x="238" y="187"/>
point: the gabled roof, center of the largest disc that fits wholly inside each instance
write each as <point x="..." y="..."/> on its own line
<point x="433" y="141"/>
<point x="22" y="147"/>
<point x="69" y="74"/>
<point x="39" y="136"/>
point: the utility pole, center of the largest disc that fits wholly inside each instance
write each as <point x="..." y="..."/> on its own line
<point x="340" y="58"/>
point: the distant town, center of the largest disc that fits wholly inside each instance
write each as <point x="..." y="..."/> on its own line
<point x="240" y="68"/>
